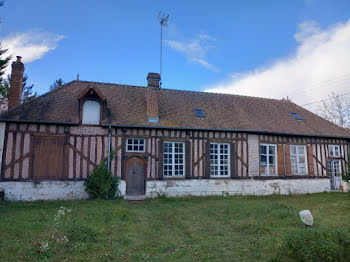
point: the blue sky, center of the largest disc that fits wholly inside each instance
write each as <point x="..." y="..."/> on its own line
<point x="220" y="46"/>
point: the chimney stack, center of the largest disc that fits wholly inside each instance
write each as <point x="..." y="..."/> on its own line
<point x="15" y="92"/>
<point x="153" y="89"/>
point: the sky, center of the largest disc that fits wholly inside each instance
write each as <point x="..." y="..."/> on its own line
<point x="298" y="49"/>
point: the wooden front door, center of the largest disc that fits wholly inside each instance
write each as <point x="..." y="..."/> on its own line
<point x="135" y="176"/>
<point x="48" y="157"/>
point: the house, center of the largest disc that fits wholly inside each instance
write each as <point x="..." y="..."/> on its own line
<point x="165" y="141"/>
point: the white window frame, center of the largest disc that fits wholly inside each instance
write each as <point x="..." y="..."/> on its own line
<point x="297" y="155"/>
<point x="268" y="160"/>
<point x="88" y="107"/>
<point x="332" y="163"/>
<point x="331" y="148"/>
<point x="220" y="165"/>
<point x="133" y="144"/>
<point x="173" y="159"/>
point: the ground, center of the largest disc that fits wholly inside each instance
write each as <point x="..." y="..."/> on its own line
<point x="233" y="228"/>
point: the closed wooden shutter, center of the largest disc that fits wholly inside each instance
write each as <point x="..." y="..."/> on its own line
<point x="48" y="157"/>
<point x="207" y="159"/>
<point x="280" y="160"/>
<point x="233" y="160"/>
<point x="310" y="161"/>
<point x="160" y="159"/>
<point x="288" y="163"/>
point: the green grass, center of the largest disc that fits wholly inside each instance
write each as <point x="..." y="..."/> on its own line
<point x="164" y="229"/>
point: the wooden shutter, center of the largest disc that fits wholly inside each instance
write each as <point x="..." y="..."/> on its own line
<point x="48" y="157"/>
<point x="187" y="159"/>
<point x="233" y="160"/>
<point x="207" y="159"/>
<point x="288" y="162"/>
<point x="310" y="161"/>
<point x="280" y="160"/>
<point x="160" y="159"/>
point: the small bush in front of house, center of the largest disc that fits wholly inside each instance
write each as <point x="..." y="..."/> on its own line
<point x="314" y="245"/>
<point x="101" y="183"/>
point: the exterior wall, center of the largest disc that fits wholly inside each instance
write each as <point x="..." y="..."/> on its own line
<point x="317" y="153"/>
<point x="46" y="190"/>
<point x="87" y="146"/>
<point x="211" y="187"/>
<point x="65" y="190"/>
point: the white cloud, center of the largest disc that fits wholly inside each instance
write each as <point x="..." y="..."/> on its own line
<point x="31" y="45"/>
<point x="320" y="65"/>
<point x="196" y="50"/>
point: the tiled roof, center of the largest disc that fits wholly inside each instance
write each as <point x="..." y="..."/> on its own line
<point x="126" y="106"/>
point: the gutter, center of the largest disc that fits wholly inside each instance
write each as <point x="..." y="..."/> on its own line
<point x="225" y="130"/>
<point x="178" y="128"/>
<point x="38" y="122"/>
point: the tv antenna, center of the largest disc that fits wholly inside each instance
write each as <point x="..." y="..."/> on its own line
<point x="163" y="20"/>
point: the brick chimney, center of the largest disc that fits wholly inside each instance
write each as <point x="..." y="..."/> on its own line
<point x="153" y="89"/>
<point x="15" y="92"/>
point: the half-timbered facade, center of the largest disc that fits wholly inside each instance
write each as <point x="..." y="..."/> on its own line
<point x="166" y="142"/>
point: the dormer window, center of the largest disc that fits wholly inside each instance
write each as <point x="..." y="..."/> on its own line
<point x="91" y="103"/>
<point x="91" y="113"/>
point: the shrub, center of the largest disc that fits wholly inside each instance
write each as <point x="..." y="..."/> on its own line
<point x="315" y="244"/>
<point x="100" y="183"/>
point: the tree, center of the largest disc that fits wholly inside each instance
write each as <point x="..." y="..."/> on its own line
<point x="27" y="90"/>
<point x="336" y="110"/>
<point x="4" y="59"/>
<point x="59" y="82"/>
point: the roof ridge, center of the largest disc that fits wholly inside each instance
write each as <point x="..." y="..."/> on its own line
<point x="182" y="90"/>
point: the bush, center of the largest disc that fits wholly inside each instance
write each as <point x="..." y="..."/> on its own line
<point x="101" y="183"/>
<point x="314" y="244"/>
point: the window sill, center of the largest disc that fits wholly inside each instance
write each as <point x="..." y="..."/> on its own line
<point x="173" y="178"/>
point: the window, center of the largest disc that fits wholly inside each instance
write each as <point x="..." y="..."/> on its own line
<point x="334" y="168"/>
<point x="334" y="150"/>
<point x="296" y="116"/>
<point x="91" y="113"/>
<point x="199" y="113"/>
<point x="135" y="145"/>
<point x="268" y="163"/>
<point x="219" y="159"/>
<point x="173" y="159"/>
<point x="298" y="160"/>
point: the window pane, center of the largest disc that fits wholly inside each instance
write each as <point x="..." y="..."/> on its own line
<point x="272" y="169"/>
<point x="271" y="160"/>
<point x="301" y="150"/>
<point x="173" y="158"/>
<point x="263" y="159"/>
<point x="263" y="149"/>
<point x="271" y="150"/>
<point x="219" y="159"/>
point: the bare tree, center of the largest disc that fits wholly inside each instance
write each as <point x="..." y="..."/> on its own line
<point x="337" y="110"/>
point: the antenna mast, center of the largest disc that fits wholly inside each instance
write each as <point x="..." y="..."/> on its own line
<point x="163" y="20"/>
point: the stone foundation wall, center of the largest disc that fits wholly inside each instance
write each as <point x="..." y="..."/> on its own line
<point x="46" y="190"/>
<point x="211" y="187"/>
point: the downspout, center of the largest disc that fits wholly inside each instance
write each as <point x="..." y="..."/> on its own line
<point x="109" y="148"/>
<point x="284" y="160"/>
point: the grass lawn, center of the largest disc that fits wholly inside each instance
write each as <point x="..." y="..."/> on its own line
<point x="165" y="229"/>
